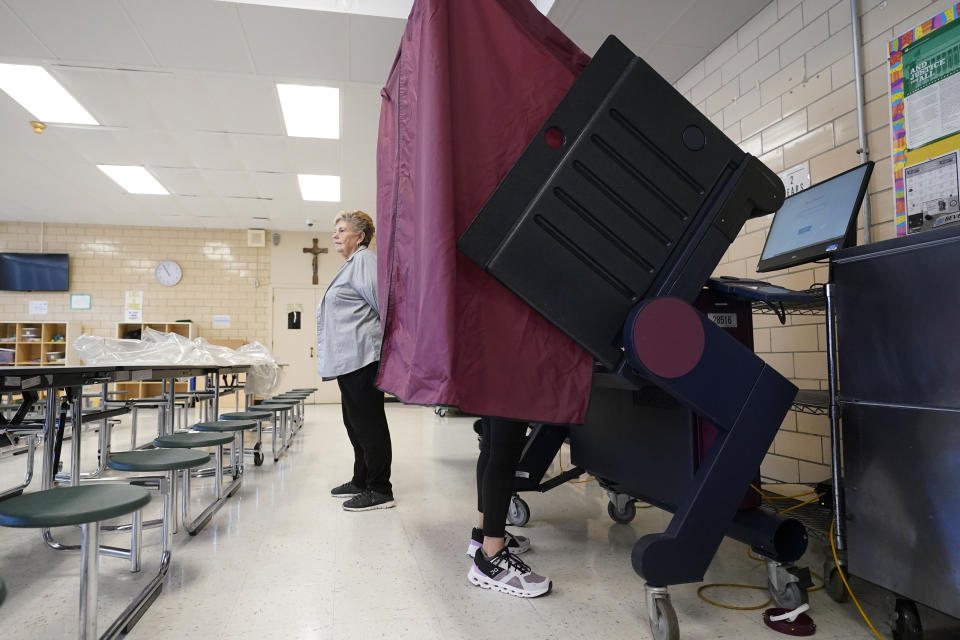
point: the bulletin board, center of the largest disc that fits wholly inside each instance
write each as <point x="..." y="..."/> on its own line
<point x="925" y="118"/>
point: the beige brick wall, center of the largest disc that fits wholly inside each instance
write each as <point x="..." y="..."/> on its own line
<point x="221" y="276"/>
<point x="783" y="88"/>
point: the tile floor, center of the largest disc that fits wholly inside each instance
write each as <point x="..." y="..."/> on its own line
<point x="283" y="560"/>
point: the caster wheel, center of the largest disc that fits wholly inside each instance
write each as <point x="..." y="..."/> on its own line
<point x="790" y="597"/>
<point x="663" y="620"/>
<point x="440" y="411"/>
<point x="519" y="513"/>
<point x="905" y="621"/>
<point x="622" y="517"/>
<point x="833" y="585"/>
<point x="257" y="456"/>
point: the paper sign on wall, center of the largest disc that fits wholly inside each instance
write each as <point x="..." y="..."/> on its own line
<point x="133" y="307"/>
<point x="38" y="307"/>
<point x="80" y="301"/>
<point x="796" y="179"/>
<point x="221" y="322"/>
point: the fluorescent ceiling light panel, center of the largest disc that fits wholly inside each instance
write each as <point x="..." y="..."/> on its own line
<point x="381" y="8"/>
<point x="134" y="179"/>
<point x="39" y="93"/>
<point x="310" y="112"/>
<point x="319" y="188"/>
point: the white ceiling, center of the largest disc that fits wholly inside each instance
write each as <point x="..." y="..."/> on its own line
<point x="187" y="89"/>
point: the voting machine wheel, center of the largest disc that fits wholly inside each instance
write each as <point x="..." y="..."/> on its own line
<point x="832" y="583"/>
<point x="257" y="455"/>
<point x="440" y="411"/>
<point x="905" y="621"/>
<point x="518" y="514"/>
<point x="624" y="516"/>
<point x="662" y="616"/>
<point x="791" y="596"/>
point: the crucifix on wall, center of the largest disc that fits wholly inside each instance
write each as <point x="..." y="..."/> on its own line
<point x="316" y="251"/>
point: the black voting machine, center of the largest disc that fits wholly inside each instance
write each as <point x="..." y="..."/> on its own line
<point x="609" y="225"/>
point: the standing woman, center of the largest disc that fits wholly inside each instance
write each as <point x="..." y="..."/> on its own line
<point x="348" y="349"/>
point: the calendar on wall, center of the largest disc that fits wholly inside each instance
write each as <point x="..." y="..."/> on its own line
<point x="931" y="189"/>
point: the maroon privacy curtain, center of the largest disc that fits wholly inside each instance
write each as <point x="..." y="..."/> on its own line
<point x="472" y="83"/>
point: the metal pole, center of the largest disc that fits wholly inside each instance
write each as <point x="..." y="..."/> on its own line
<point x="77" y="422"/>
<point x="216" y="396"/>
<point x="861" y="127"/>
<point x="89" y="543"/>
<point x="839" y="512"/>
<point x="49" y="436"/>
<point x="136" y="540"/>
<point x="171" y="408"/>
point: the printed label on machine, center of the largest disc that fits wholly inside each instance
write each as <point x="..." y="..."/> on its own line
<point x="724" y="320"/>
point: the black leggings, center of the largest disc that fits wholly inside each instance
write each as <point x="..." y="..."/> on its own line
<point x="366" y="423"/>
<point x="500" y="447"/>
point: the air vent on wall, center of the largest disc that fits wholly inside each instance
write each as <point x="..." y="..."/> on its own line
<point x="256" y="238"/>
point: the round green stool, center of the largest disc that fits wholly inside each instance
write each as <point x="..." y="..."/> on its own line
<point x="280" y="409"/>
<point x="151" y="460"/>
<point x="84" y="505"/>
<point x="245" y="416"/>
<point x="301" y="398"/>
<point x="217" y="436"/>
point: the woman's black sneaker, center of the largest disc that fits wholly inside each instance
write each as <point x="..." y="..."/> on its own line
<point x="346" y="490"/>
<point x="369" y="500"/>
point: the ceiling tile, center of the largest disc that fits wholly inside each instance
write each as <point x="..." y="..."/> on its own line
<point x="277" y="186"/>
<point x="233" y="184"/>
<point x="314" y="45"/>
<point x="98" y="146"/>
<point x="192" y="34"/>
<point x="245" y="104"/>
<point x="264" y="153"/>
<point x="107" y="36"/>
<point x="113" y="96"/>
<point x="179" y="100"/>
<point x="210" y="150"/>
<point x="183" y="181"/>
<point x="373" y="47"/>
<point x="202" y="206"/>
<point x="245" y="208"/>
<point x="315" y="156"/>
<point x="16" y="40"/>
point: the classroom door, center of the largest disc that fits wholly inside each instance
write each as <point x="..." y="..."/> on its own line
<point x="294" y="340"/>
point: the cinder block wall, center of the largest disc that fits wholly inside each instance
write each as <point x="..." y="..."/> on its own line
<point x="783" y="88"/>
<point x="221" y="276"/>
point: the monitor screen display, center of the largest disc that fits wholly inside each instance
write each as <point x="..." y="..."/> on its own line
<point x="815" y="222"/>
<point x="34" y="272"/>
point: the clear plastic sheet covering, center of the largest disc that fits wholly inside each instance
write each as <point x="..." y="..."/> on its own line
<point x="157" y="348"/>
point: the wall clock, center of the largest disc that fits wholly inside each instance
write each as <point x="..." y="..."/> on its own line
<point x="168" y="273"/>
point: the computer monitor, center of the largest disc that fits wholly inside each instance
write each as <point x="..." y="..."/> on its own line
<point x="815" y="222"/>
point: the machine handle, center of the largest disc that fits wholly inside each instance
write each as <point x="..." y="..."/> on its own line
<point x="311" y="352"/>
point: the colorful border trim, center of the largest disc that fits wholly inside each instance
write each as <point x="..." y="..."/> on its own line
<point x="897" y="131"/>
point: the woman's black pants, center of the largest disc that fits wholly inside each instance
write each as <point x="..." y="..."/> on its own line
<point x="366" y="424"/>
<point x="500" y="447"/>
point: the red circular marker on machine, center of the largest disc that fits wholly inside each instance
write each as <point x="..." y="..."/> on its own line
<point x="791" y="623"/>
<point x="668" y="337"/>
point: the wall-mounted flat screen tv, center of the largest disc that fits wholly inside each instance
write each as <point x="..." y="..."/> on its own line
<point x="34" y="272"/>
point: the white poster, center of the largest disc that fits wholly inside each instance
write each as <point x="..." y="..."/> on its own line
<point x="133" y="307"/>
<point x="221" y="322"/>
<point x="933" y="112"/>
<point x="38" y="307"/>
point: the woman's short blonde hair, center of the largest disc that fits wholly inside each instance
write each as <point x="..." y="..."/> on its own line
<point x="359" y="222"/>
